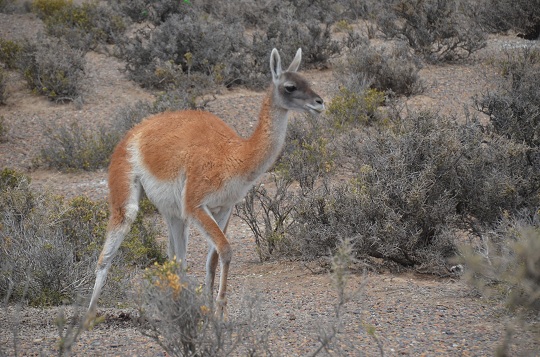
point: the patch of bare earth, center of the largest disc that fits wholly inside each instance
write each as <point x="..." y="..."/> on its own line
<point x="412" y="315"/>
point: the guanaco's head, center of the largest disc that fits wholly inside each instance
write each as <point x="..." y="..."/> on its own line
<point x="292" y="91"/>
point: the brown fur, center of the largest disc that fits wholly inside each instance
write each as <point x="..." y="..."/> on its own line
<point x="119" y="183"/>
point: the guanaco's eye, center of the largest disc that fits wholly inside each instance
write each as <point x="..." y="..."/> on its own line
<point x="290" y="88"/>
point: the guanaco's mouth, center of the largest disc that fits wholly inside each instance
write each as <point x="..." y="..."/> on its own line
<point x="315" y="109"/>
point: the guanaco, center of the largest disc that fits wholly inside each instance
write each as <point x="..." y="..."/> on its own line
<point x="194" y="168"/>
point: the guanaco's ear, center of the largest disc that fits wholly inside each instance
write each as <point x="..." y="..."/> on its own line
<point x="275" y="66"/>
<point x="295" y="64"/>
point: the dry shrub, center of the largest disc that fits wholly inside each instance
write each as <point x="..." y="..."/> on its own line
<point x="308" y="158"/>
<point x="436" y="30"/>
<point x="386" y="69"/>
<point x="193" y="38"/>
<point x="178" y="315"/>
<point x="52" y="68"/>
<point x="4" y="130"/>
<point x="159" y="57"/>
<point x="37" y="263"/>
<point x="412" y="184"/>
<point x="522" y="16"/>
<point x="50" y="245"/>
<point x="287" y="34"/>
<point x="268" y="213"/>
<point x="505" y="266"/>
<point x="154" y="11"/>
<point x="73" y="147"/>
<point x="513" y="107"/>
<point x="251" y="13"/>
<point x="82" y="26"/>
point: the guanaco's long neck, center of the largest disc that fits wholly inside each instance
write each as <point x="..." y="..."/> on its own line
<point x="266" y="142"/>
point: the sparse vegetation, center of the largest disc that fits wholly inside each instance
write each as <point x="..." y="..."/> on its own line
<point x="52" y="68"/>
<point x="513" y="108"/>
<point x="50" y="245"/>
<point x="436" y="30"/>
<point x="9" y="53"/>
<point x="522" y="16"/>
<point x="179" y="316"/>
<point x="356" y="108"/>
<point x="72" y="147"/>
<point x="189" y="44"/>
<point x="392" y="69"/>
<point x="82" y="26"/>
<point x="362" y="182"/>
<point x="503" y="265"/>
<point x="269" y="216"/>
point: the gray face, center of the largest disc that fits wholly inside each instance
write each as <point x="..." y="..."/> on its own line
<point x="296" y="94"/>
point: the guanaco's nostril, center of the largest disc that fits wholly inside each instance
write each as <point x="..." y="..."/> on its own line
<point x="319" y="101"/>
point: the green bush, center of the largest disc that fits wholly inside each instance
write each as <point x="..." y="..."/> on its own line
<point x="10" y="179"/>
<point x="52" y="68"/>
<point x="85" y="220"/>
<point x="356" y="108"/>
<point x="9" y="53"/>
<point x="46" y="8"/>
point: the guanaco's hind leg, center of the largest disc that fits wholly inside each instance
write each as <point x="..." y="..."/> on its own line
<point x="119" y="225"/>
<point x="178" y="239"/>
